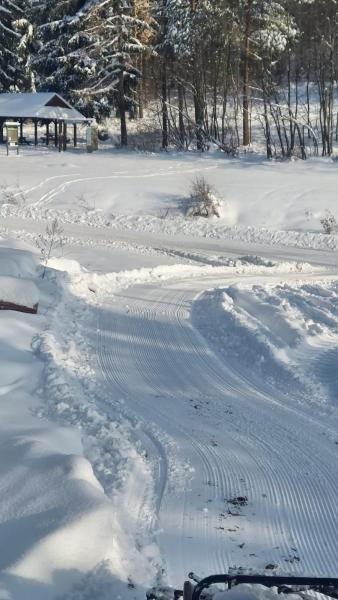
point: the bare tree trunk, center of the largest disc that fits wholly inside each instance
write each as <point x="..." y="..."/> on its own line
<point x="291" y="124"/>
<point x="275" y="113"/>
<point x="308" y="100"/>
<point x="199" y="111"/>
<point x="330" y="97"/>
<point x="141" y="88"/>
<point x="122" y="111"/>
<point x="225" y="92"/>
<point x="181" y="128"/>
<point x="165" y="119"/>
<point x="246" y="74"/>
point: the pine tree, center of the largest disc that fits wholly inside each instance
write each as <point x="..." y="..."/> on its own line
<point x="15" y="36"/>
<point x="59" y="62"/>
<point x="116" y="38"/>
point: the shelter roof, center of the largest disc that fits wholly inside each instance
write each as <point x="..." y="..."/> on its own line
<point x="38" y="105"/>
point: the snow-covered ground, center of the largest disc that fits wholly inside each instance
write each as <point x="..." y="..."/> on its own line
<point x="174" y="367"/>
<point x="110" y="187"/>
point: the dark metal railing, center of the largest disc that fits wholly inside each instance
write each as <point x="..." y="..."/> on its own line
<point x="326" y="585"/>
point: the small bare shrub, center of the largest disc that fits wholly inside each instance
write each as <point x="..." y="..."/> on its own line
<point x="329" y="223"/>
<point x="10" y="196"/>
<point x="163" y="214"/>
<point x="203" y="201"/>
<point x="48" y="241"/>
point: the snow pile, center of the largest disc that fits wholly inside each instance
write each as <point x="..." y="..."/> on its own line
<point x="17" y="259"/>
<point x="58" y="529"/>
<point x="107" y="283"/>
<point x="18" y="291"/>
<point x="18" y="265"/>
<point x="76" y="398"/>
<point x="286" y="334"/>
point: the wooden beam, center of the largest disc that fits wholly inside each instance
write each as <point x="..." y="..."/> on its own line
<point x="21" y="129"/>
<point x="55" y="133"/>
<point x="75" y="135"/>
<point x="47" y="133"/>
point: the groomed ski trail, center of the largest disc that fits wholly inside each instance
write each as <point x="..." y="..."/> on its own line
<point x="214" y="436"/>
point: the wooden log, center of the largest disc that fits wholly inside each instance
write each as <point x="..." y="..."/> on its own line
<point x="19" y="307"/>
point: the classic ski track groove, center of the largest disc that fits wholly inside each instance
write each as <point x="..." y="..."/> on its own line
<point x="265" y="468"/>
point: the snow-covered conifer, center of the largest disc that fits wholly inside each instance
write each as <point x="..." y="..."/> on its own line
<point x="58" y="61"/>
<point x="15" y="36"/>
<point x="116" y="38"/>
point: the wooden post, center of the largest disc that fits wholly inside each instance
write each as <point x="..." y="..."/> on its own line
<point x="1" y="131"/>
<point x="55" y="133"/>
<point x="64" y="136"/>
<point x="47" y="133"/>
<point x="36" y="132"/>
<point x="75" y="135"/>
<point x="21" y="130"/>
<point x="60" y="136"/>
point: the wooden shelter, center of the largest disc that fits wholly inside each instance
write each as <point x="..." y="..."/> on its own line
<point x="41" y="108"/>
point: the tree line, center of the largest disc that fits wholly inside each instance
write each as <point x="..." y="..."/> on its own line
<point x="228" y="72"/>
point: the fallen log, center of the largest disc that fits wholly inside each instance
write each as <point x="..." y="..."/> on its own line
<point x="19" y="307"/>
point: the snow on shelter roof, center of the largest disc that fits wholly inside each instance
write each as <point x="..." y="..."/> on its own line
<point x="38" y="105"/>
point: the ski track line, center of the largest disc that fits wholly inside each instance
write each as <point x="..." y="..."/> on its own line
<point x="149" y="440"/>
<point x="295" y="498"/>
<point x="252" y="485"/>
<point x="42" y="183"/>
<point x="51" y="194"/>
<point x="205" y="534"/>
<point x="321" y="467"/>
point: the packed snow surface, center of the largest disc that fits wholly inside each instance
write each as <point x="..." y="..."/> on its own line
<point x="173" y="406"/>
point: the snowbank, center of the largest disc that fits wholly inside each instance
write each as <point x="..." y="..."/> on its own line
<point x="94" y="285"/>
<point x="18" y="291"/>
<point x="17" y="259"/>
<point x="58" y="529"/>
<point x="18" y="265"/>
<point x="285" y="335"/>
